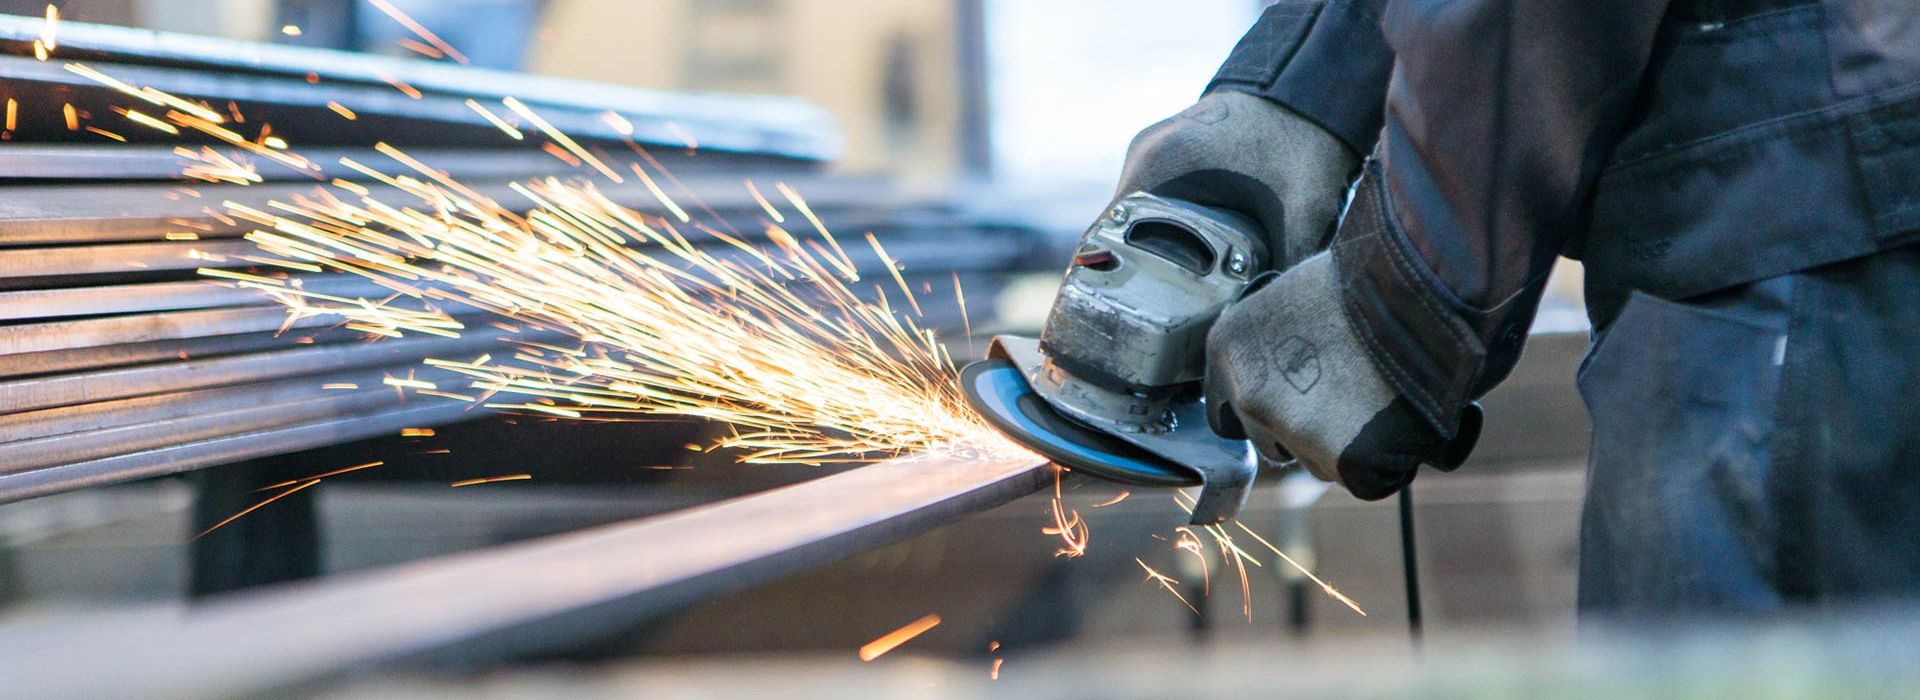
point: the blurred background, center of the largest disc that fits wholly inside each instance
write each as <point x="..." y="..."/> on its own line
<point x="1014" y="112"/>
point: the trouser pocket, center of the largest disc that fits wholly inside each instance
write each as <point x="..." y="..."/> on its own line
<point x="1682" y="396"/>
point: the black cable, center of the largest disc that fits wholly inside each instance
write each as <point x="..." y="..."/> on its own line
<point x="1409" y="563"/>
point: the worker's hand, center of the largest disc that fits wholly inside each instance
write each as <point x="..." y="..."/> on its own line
<point x="1247" y="154"/>
<point x="1285" y="371"/>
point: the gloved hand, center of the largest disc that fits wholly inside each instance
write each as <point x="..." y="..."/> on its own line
<point x="1285" y="371"/>
<point x="1252" y="156"/>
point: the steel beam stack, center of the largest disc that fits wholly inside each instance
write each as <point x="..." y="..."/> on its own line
<point x="118" y="361"/>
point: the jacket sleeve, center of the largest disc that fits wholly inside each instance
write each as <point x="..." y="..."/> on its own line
<point x="1324" y="59"/>
<point x="1499" y="114"/>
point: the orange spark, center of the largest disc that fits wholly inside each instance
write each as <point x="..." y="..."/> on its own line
<point x="108" y="134"/>
<point x="1116" y="499"/>
<point x="994" y="673"/>
<point x="342" y="110"/>
<point x="73" y="117"/>
<point x="491" y="480"/>
<point x="13" y="114"/>
<point x="290" y="29"/>
<point x="257" y="506"/>
<point x="317" y="477"/>
<point x="416" y="432"/>
<point x="401" y="85"/>
<point x="891" y="640"/>
<point x="420" y="48"/>
<point x="1067" y="524"/>
<point x="420" y="30"/>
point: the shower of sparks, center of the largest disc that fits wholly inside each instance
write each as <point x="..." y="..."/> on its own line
<point x="771" y="338"/>
<point x="1229" y="551"/>
<point x="891" y="640"/>
<point x="1167" y="582"/>
<point x="492" y="480"/>
<point x="1190" y="543"/>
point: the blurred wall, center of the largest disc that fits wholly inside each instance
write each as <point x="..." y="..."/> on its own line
<point x="888" y="70"/>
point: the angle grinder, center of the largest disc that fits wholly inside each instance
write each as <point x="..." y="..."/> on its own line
<point x="1112" y="387"/>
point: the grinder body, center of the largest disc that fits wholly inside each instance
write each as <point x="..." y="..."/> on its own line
<point x="1112" y="386"/>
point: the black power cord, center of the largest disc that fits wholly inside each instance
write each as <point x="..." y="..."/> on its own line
<point x="1409" y="563"/>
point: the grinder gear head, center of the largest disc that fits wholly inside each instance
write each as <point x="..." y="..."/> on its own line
<point x="1111" y="387"/>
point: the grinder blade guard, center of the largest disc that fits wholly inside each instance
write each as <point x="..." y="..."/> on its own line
<point x="1112" y="386"/>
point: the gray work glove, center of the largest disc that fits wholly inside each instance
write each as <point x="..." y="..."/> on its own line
<point x="1286" y="372"/>
<point x="1246" y="154"/>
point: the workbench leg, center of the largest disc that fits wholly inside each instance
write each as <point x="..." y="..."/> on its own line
<point x="279" y="542"/>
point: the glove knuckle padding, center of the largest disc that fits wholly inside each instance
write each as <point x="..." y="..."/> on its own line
<point x="1296" y="376"/>
<point x="1250" y="155"/>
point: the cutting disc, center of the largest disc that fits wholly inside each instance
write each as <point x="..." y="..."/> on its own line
<point x="1001" y="394"/>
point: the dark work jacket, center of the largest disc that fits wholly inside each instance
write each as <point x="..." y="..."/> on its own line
<point x="1676" y="148"/>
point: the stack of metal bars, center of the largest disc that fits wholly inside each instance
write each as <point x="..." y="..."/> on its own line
<point x="119" y="361"/>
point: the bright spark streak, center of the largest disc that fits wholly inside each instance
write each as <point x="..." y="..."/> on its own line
<point x="491" y="480"/>
<point x="257" y="506"/>
<point x="342" y="110"/>
<point x="1190" y="543"/>
<point x="1116" y="499"/>
<point x="772" y="213"/>
<point x="50" y="31"/>
<point x="1167" y="582"/>
<point x="564" y="140"/>
<point x="317" y="477"/>
<point x="495" y="120"/>
<point x="420" y="30"/>
<point x="892" y="640"/>
<point x="1324" y="586"/>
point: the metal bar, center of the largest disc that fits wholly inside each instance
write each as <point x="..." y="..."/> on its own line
<point x="69" y="389"/>
<point x="43" y="363"/>
<point x="104" y="212"/>
<point x="122" y="258"/>
<point x="174" y="459"/>
<point x="776" y="126"/>
<point x="142" y="328"/>
<point x="161" y="296"/>
<point x="384" y="112"/>
<point x="52" y="451"/>
<point x="508" y="599"/>
<point x="30" y="425"/>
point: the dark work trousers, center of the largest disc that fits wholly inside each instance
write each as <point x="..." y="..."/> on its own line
<point x="1757" y="448"/>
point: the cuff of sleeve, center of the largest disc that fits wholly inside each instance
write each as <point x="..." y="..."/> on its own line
<point x="1326" y="60"/>
<point x="1415" y="336"/>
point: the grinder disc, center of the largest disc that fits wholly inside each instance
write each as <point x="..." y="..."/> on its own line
<point x="1000" y="393"/>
